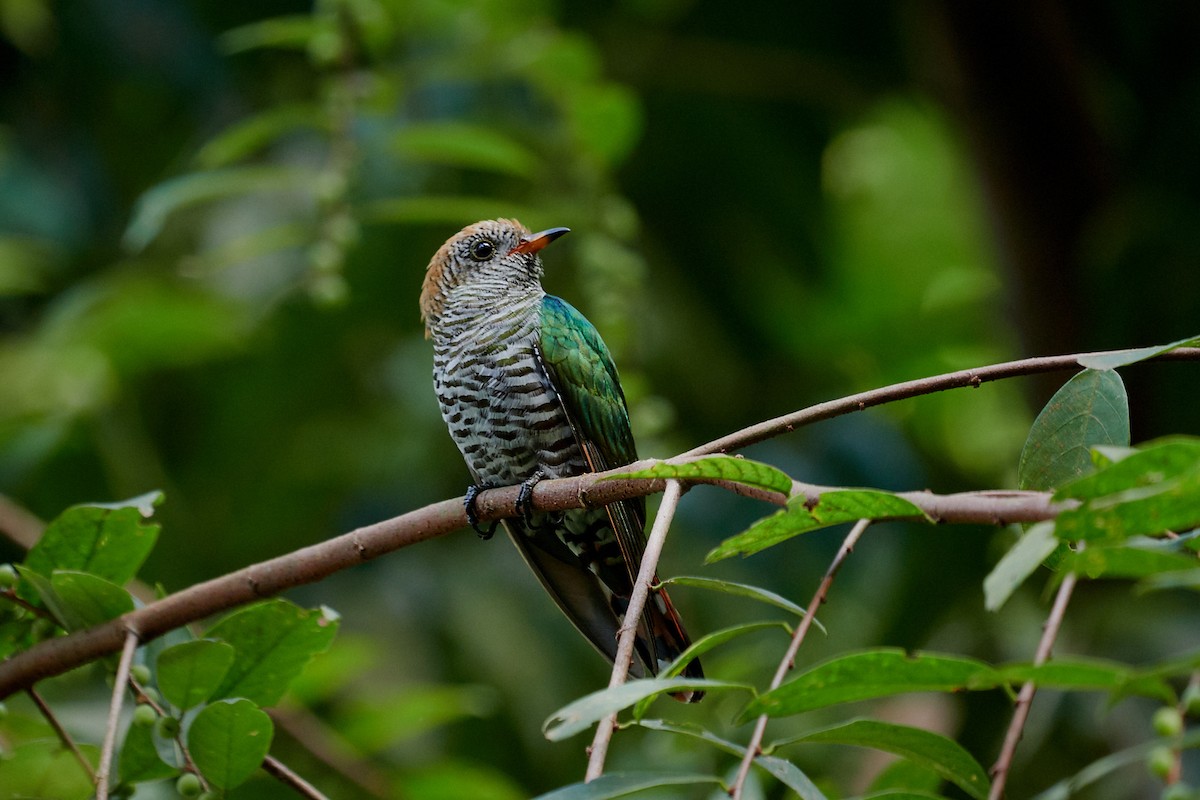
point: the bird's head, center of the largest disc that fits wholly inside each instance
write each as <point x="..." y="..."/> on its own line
<point x="493" y="258"/>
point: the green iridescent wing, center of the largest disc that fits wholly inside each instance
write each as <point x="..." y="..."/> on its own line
<point x="585" y="377"/>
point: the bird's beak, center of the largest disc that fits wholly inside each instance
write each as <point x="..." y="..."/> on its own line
<point x="533" y="242"/>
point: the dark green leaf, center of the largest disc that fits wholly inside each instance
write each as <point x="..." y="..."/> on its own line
<point x="579" y="715"/>
<point x="618" y="784"/>
<point x="1124" y="562"/>
<point x="1144" y="511"/>
<point x="189" y="673"/>
<point x="869" y="674"/>
<point x="84" y="600"/>
<point x="1149" y="465"/>
<point x="701" y="646"/>
<point x="1123" y="358"/>
<point x="929" y="749"/>
<point x="1090" y="409"/>
<point x="273" y="641"/>
<point x="1088" y="675"/>
<point x="1033" y="548"/>
<point x="139" y="759"/>
<point x="719" y="468"/>
<point x="740" y="590"/>
<point x="905" y="778"/>
<point x="229" y="740"/>
<point x="108" y="540"/>
<point x="834" y="507"/>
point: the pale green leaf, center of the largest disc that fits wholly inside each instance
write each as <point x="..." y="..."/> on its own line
<point x="582" y="713"/>
<point x="718" y="468"/>
<point x="228" y="741"/>
<point x="188" y="673"/>
<point x="1030" y="551"/>
<point x="1123" y="358"/>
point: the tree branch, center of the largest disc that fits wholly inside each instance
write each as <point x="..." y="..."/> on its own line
<point x="754" y="748"/>
<point x="311" y="564"/>
<point x="61" y="732"/>
<point x="114" y="715"/>
<point x="633" y="614"/>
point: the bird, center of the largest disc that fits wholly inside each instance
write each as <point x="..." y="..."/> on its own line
<point x="528" y="390"/>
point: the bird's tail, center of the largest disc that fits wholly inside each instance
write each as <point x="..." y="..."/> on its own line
<point x="669" y="640"/>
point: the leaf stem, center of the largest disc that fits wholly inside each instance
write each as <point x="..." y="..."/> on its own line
<point x="280" y="771"/>
<point x="754" y="748"/>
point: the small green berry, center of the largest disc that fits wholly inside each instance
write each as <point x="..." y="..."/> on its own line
<point x="140" y="673"/>
<point x="167" y="727"/>
<point x="1161" y="761"/>
<point x="1168" y="721"/>
<point x="144" y="716"/>
<point x="152" y="695"/>
<point x="8" y="576"/>
<point x="188" y="785"/>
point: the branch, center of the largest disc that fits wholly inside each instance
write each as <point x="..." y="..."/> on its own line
<point x="61" y="732"/>
<point x="316" y="562"/>
<point x="278" y="770"/>
<point x="908" y="389"/>
<point x="1025" y="697"/>
<point x="633" y="614"/>
<point x="114" y="715"/>
<point x="754" y="748"/>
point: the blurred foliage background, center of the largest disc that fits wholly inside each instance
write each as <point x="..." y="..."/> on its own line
<point x="215" y="219"/>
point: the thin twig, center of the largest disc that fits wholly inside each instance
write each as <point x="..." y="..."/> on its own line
<point x="1025" y="697"/>
<point x="114" y="714"/>
<point x="329" y="747"/>
<point x="754" y="748"/>
<point x="143" y="697"/>
<point x="61" y="732"/>
<point x="11" y="596"/>
<point x="278" y="770"/>
<point x="633" y="614"/>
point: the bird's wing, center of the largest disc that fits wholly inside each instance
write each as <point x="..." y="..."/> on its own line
<point x="583" y="374"/>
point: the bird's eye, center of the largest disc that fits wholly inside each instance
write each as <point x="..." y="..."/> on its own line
<point x="482" y="250"/>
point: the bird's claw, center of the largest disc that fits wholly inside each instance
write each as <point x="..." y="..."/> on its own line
<point x="524" y="505"/>
<point x="473" y="514"/>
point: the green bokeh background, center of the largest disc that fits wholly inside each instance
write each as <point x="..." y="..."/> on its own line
<point x="211" y="247"/>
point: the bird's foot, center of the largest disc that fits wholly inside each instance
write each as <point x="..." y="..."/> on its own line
<point x="524" y="504"/>
<point x="473" y="514"/>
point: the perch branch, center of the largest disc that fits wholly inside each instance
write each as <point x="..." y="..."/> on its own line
<point x="633" y="613"/>
<point x="754" y="748"/>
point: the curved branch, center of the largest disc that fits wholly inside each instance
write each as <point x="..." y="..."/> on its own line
<point x="318" y="561"/>
<point x="908" y="389"/>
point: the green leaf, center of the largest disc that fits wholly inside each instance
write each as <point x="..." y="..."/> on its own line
<point x="1123" y="358"/>
<point x="785" y="771"/>
<point x="623" y="784"/>
<point x="139" y="759"/>
<point x="84" y="600"/>
<point x="869" y="674"/>
<point x="932" y="750"/>
<point x="1150" y="465"/>
<point x="1033" y="548"/>
<point x="834" y="507"/>
<point x="273" y="641"/>
<point x="718" y="468"/>
<point x="1146" y="511"/>
<point x="44" y="770"/>
<point x="247" y="136"/>
<point x="1090" y="409"/>
<point x="108" y="540"/>
<point x="1184" y="579"/>
<point x="1124" y="562"/>
<point x="740" y="590"/>
<point x="228" y="741"/>
<point x="189" y="673"/>
<point x="579" y="715"/>
<point x="1088" y="675"/>
<point x="701" y="646"/>
<point x="1097" y="770"/>
<point x="791" y="776"/>
<point x="903" y="778"/>
<point x="164" y="199"/>
<point x="459" y="144"/>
